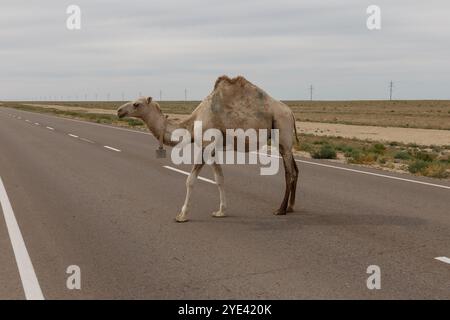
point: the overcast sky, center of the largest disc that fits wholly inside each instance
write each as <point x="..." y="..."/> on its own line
<point x="283" y="46"/>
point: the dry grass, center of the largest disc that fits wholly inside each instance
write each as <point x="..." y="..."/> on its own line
<point x="426" y="114"/>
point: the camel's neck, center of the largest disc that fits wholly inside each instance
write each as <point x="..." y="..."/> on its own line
<point x="159" y="124"/>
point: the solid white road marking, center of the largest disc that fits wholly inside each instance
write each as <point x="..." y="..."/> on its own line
<point x="72" y="135"/>
<point x="376" y="174"/>
<point x="188" y="173"/>
<point x="364" y="172"/>
<point x="113" y="149"/>
<point x="443" y="259"/>
<point x="28" y="277"/>
<point x="50" y="128"/>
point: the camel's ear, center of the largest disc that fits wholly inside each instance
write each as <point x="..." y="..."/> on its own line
<point x="149" y="100"/>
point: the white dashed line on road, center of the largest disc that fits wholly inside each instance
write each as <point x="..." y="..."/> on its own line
<point x="36" y="124"/>
<point x="87" y="140"/>
<point x="443" y="259"/>
<point x="28" y="277"/>
<point x="113" y="149"/>
<point x="50" y="128"/>
<point x="187" y="173"/>
<point x="72" y="135"/>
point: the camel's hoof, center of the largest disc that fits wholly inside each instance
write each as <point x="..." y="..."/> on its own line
<point x="279" y="212"/>
<point x="181" y="218"/>
<point x="219" y="214"/>
<point x="290" y="209"/>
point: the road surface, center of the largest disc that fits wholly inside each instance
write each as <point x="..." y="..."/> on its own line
<point x="94" y="196"/>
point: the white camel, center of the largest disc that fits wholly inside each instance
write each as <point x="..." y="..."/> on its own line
<point x="233" y="104"/>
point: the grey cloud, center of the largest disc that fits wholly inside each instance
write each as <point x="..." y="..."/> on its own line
<point x="282" y="45"/>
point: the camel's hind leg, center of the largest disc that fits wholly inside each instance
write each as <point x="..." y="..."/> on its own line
<point x="293" y="186"/>
<point x="289" y="177"/>
<point x="182" y="216"/>
<point x="218" y="175"/>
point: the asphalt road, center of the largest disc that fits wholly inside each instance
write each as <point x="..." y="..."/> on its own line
<point x="111" y="212"/>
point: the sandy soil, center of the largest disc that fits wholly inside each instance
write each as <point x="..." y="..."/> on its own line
<point x="388" y="134"/>
<point x="425" y="137"/>
<point x="404" y="135"/>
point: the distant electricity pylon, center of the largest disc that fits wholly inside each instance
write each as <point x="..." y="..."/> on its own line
<point x="185" y="94"/>
<point x="160" y="95"/>
<point x="311" y="89"/>
<point x="391" y="88"/>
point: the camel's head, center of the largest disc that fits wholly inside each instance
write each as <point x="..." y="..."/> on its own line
<point x="138" y="108"/>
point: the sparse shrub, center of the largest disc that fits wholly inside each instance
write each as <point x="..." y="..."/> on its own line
<point x="402" y="155"/>
<point x="325" y="152"/>
<point x="436" y="149"/>
<point x="425" y="156"/>
<point x="134" y="122"/>
<point x="417" y="166"/>
<point x="304" y="146"/>
<point x="436" y="170"/>
<point x="378" y="148"/>
<point x="354" y="155"/>
<point x="362" y="157"/>
<point x="344" y="148"/>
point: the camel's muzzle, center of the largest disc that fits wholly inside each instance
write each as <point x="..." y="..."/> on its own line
<point x="121" y="113"/>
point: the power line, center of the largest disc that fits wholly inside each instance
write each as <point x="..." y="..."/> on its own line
<point x="391" y="88"/>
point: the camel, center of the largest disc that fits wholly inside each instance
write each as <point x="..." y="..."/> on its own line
<point x="233" y="104"/>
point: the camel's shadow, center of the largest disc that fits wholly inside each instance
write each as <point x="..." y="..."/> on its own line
<point x="304" y="218"/>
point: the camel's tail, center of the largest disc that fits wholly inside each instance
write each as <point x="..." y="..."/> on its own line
<point x="295" y="130"/>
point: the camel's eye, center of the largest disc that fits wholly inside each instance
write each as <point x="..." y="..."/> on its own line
<point x="135" y="104"/>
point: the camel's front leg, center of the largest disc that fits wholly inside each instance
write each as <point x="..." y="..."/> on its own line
<point x="218" y="175"/>
<point x="182" y="216"/>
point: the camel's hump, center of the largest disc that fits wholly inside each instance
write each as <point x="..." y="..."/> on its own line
<point x="239" y="80"/>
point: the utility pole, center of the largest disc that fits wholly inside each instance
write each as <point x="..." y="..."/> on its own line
<point x="391" y="87"/>
<point x="160" y="95"/>
<point x="185" y="95"/>
<point x="311" y="89"/>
